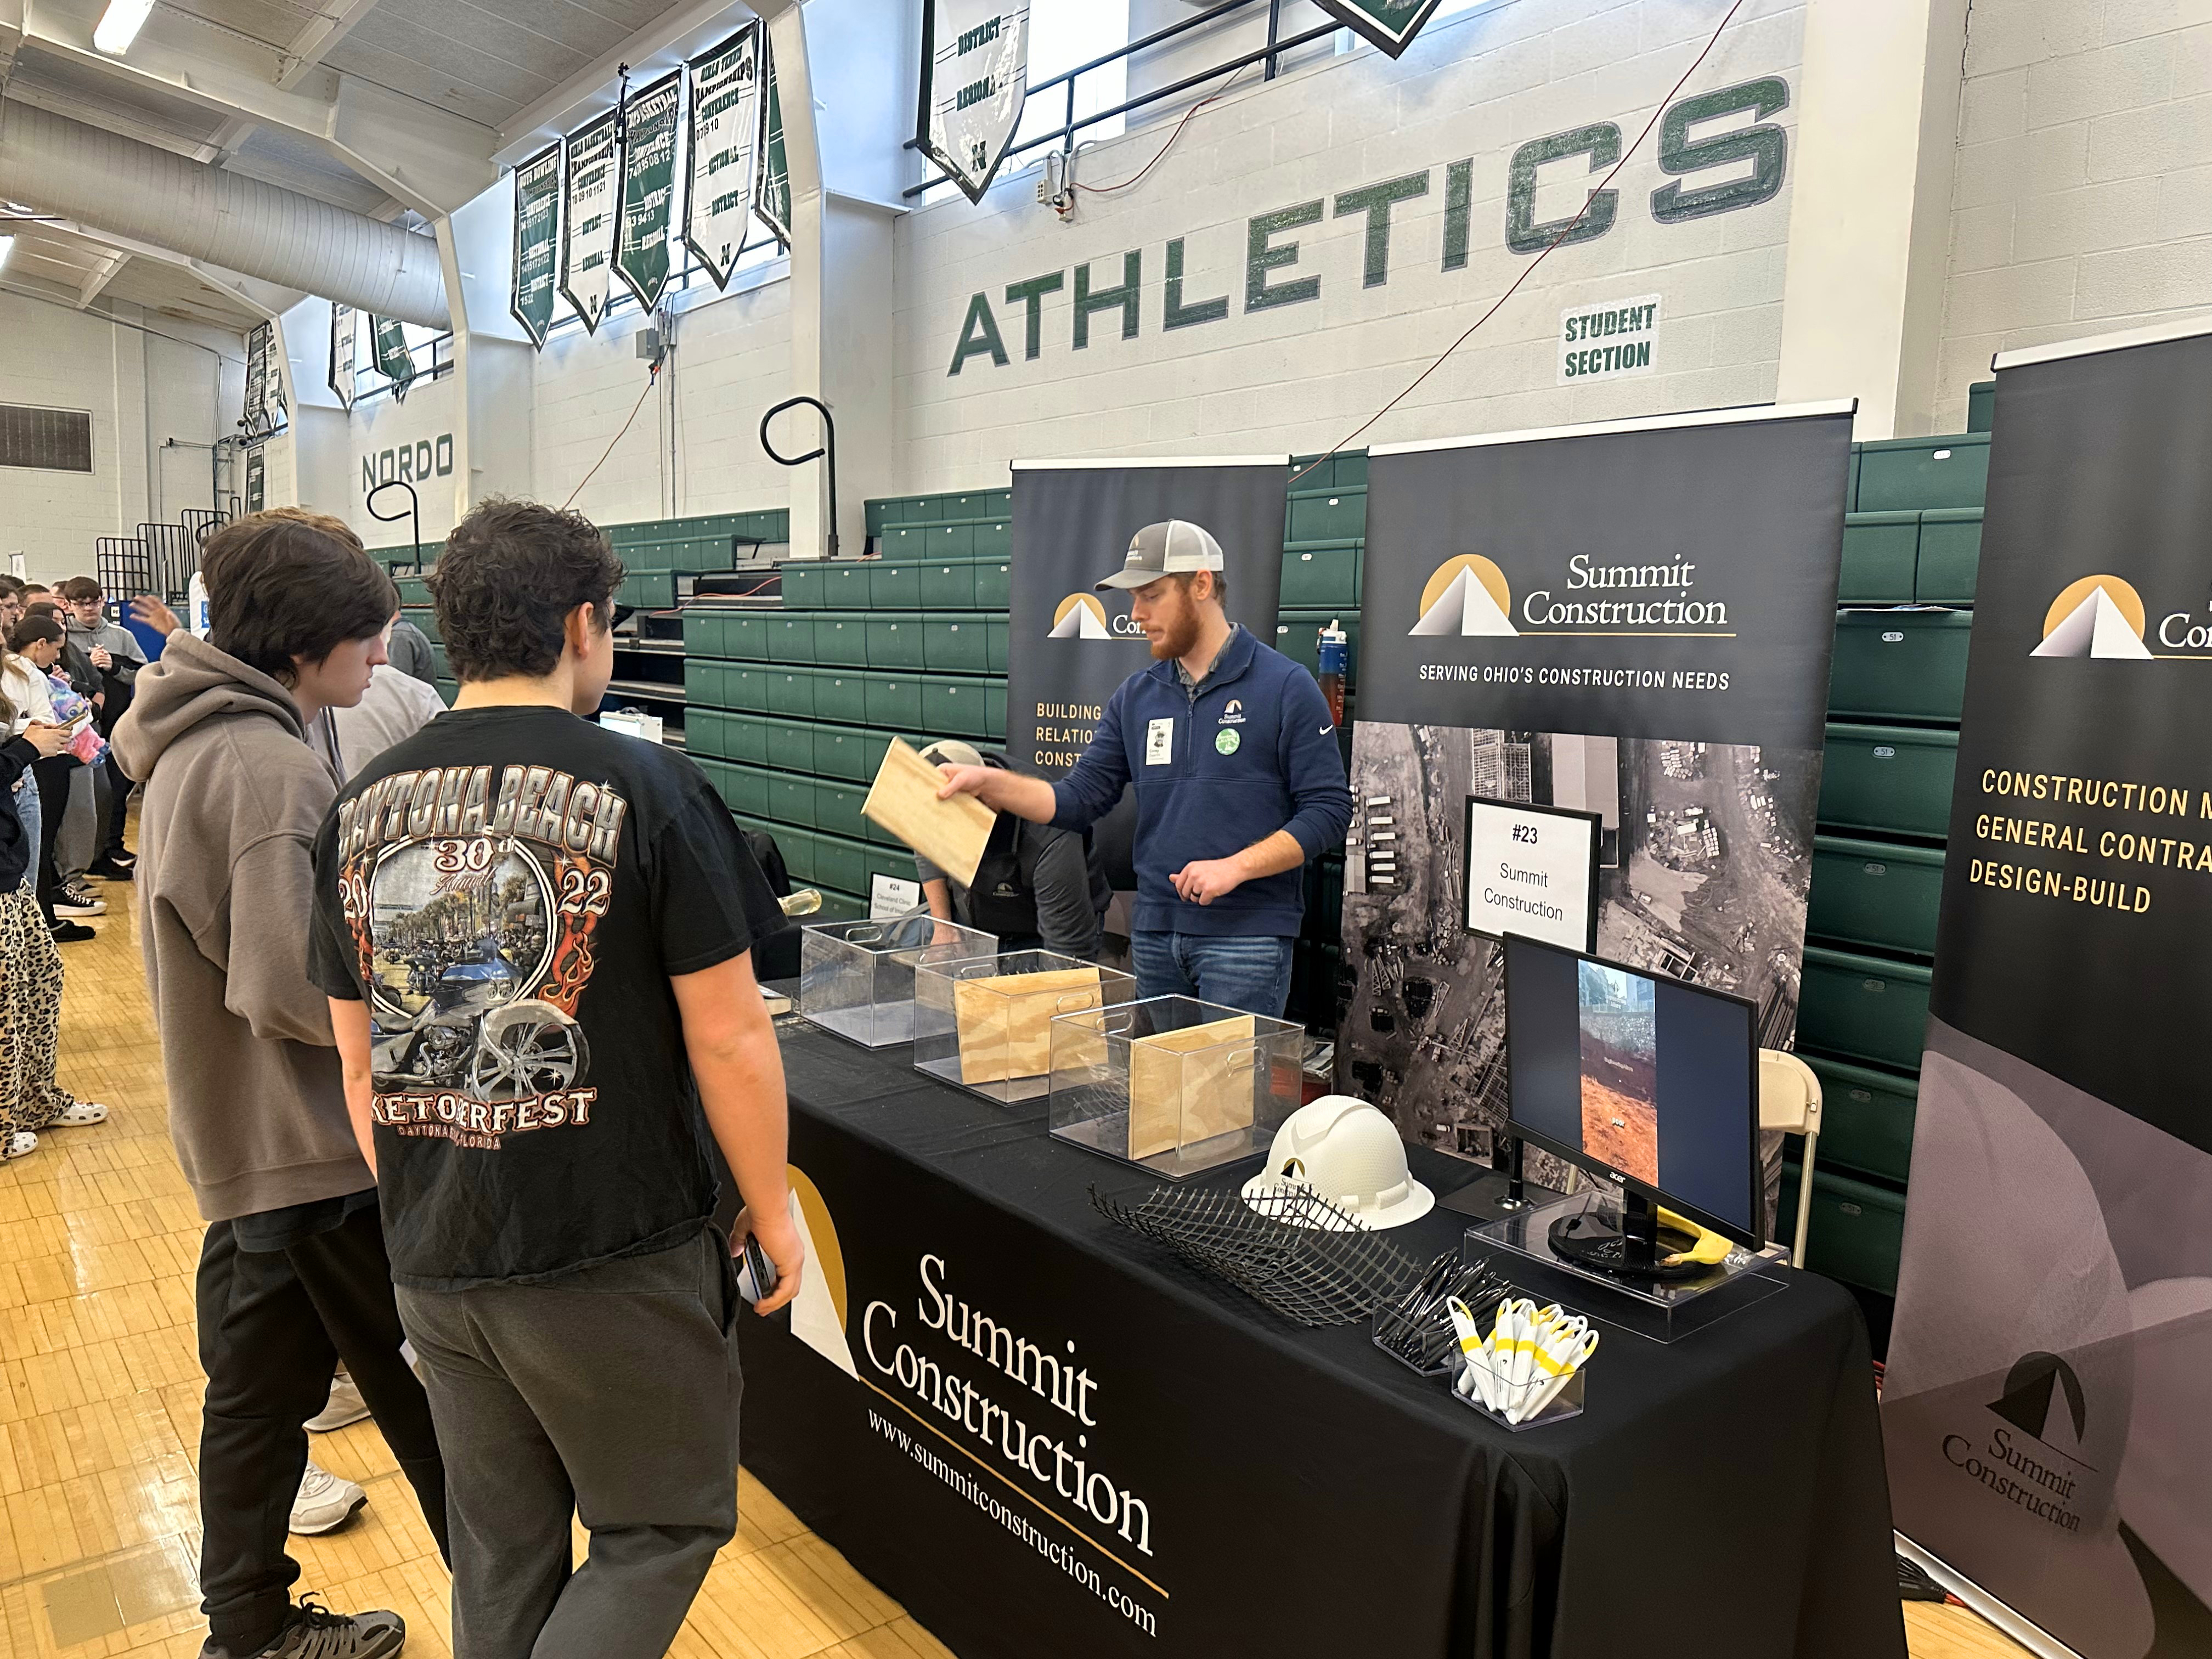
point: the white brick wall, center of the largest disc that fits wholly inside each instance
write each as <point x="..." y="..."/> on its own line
<point x="2083" y="200"/>
<point x="1301" y="377"/>
<point x="140" y="390"/>
<point x="732" y="360"/>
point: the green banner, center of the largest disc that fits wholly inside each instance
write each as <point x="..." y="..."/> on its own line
<point x="1390" y="24"/>
<point x="393" y="360"/>
<point x="726" y="118"/>
<point x="587" y="210"/>
<point x="772" y="201"/>
<point x="537" y="242"/>
<point x="649" y="189"/>
<point x="345" y="351"/>
<point x="257" y="481"/>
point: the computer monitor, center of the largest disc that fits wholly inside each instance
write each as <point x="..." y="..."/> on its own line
<point x="1649" y="1083"/>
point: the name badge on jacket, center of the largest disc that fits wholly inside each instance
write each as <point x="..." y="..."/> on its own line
<point x="1159" y="743"/>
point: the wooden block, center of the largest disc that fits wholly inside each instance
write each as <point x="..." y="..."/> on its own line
<point x="1178" y="1095"/>
<point x="949" y="834"/>
<point x="1005" y="1021"/>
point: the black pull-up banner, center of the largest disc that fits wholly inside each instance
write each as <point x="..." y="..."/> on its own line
<point x="2050" y="1378"/>
<point x="1068" y="647"/>
<point x="1629" y="623"/>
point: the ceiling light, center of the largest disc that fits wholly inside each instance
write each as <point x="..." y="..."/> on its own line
<point x="119" y="26"/>
<point x="7" y="247"/>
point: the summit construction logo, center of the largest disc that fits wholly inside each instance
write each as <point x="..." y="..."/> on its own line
<point x="2032" y="1458"/>
<point x="2095" y="616"/>
<point x="1468" y="596"/>
<point x="1080" y="616"/>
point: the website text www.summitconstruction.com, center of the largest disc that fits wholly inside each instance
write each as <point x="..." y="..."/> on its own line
<point x="1016" y="1523"/>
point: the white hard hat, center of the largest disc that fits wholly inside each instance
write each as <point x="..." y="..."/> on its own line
<point x="1350" y="1154"/>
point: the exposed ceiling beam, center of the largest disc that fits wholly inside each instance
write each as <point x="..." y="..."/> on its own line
<point x="314" y="42"/>
<point x="228" y="138"/>
<point x="106" y="116"/>
<point x="99" y="279"/>
<point x="660" y="44"/>
<point x="425" y="157"/>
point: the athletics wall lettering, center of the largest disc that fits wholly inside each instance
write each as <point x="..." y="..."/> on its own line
<point x="1277" y="271"/>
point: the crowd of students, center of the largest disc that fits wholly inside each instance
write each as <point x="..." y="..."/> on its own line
<point x="457" y="1009"/>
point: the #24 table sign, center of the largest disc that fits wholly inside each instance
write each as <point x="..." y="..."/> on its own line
<point x="1532" y="871"/>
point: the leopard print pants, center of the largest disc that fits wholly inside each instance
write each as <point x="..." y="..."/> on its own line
<point x="30" y="1018"/>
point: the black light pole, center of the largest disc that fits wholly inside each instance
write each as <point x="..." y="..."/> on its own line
<point x="827" y="448"/>
<point x="414" y="511"/>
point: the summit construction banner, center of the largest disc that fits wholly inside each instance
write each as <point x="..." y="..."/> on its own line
<point x="1070" y="647"/>
<point x="1627" y="626"/>
<point x="2049" y="1390"/>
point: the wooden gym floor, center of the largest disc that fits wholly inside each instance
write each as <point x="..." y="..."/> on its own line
<point x="99" y="1391"/>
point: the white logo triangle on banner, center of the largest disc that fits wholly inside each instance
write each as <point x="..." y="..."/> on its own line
<point x="2094" y="628"/>
<point x="1467" y="608"/>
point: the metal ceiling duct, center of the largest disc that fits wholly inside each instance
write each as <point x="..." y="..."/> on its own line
<point x="138" y="191"/>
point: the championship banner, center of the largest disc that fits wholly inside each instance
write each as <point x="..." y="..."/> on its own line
<point x="974" y="72"/>
<point x="648" y="188"/>
<point x="259" y="343"/>
<point x="725" y="132"/>
<point x="394" y="361"/>
<point x="772" y="189"/>
<point x="588" y="219"/>
<point x="537" y="242"/>
<point x="345" y="352"/>
<point x="1623" y="630"/>
<point x="257" y="480"/>
<point x="2049" y="1375"/>
<point x="272" y="377"/>
<point x="1389" y="24"/>
<point x="1069" y="646"/>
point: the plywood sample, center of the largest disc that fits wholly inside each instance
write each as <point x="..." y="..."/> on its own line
<point x="950" y="833"/>
<point x="1191" y="1085"/>
<point x="1005" y="1022"/>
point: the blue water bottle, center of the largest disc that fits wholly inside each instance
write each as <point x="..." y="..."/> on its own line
<point x="1335" y="659"/>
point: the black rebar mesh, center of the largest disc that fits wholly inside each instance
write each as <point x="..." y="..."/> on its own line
<point x="1303" y="1258"/>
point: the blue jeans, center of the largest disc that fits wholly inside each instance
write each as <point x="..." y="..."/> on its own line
<point x="27" y="811"/>
<point x="1252" y="975"/>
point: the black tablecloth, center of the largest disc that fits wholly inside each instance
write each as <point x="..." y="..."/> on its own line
<point x="1254" y="1487"/>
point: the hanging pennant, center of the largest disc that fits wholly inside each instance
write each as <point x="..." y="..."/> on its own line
<point x="258" y="346"/>
<point x="974" y="72"/>
<point x="648" y="188"/>
<point x="587" y="220"/>
<point x="1389" y="24"/>
<point x="257" y="480"/>
<point x="726" y="130"/>
<point x="273" y="407"/>
<point x="537" y="242"/>
<point x="393" y="359"/>
<point x="772" y="194"/>
<point x="345" y="351"/>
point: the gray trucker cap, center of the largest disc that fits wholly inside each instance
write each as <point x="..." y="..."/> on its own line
<point x="1167" y="548"/>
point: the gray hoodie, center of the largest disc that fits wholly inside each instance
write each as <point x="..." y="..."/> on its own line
<point x="225" y="889"/>
<point x="122" y="644"/>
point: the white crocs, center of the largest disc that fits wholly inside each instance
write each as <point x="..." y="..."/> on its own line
<point x="82" y="1114"/>
<point x="19" y="1144"/>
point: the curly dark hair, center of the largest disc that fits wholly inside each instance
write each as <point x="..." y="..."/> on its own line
<point x="511" y="572"/>
<point x="281" y="591"/>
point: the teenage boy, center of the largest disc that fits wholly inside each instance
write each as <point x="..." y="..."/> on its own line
<point x="1222" y="737"/>
<point x="293" y="1273"/>
<point x="536" y="937"/>
<point x="114" y="650"/>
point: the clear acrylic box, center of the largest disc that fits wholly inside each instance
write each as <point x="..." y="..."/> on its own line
<point x="1173" y="1085"/>
<point x="986" y="1023"/>
<point x="1470" y="1372"/>
<point x="856" y="978"/>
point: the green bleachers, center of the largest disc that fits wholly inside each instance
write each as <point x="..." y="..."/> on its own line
<point x="1899" y="665"/>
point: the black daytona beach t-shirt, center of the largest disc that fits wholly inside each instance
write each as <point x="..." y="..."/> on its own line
<point x="511" y="890"/>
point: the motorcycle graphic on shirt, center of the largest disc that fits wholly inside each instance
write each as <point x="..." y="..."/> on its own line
<point x="473" y="908"/>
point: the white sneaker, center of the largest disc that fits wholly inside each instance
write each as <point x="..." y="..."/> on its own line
<point x="325" y="1503"/>
<point x="21" y="1144"/>
<point x="82" y="1115"/>
<point x="345" y="1406"/>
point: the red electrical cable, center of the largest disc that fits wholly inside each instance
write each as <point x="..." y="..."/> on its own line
<point x="1161" y="155"/>
<point x="1545" y="253"/>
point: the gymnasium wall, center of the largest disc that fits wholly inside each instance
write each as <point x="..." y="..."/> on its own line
<point x="141" y="390"/>
<point x="2084" y="199"/>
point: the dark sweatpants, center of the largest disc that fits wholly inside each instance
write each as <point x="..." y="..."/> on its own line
<point x="272" y="1326"/>
<point x="612" y="1393"/>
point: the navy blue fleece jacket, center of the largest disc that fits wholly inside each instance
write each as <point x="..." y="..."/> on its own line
<point x="1249" y="750"/>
